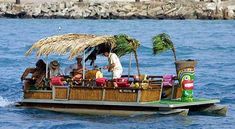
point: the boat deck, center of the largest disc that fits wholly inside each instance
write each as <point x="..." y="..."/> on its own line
<point x="158" y="104"/>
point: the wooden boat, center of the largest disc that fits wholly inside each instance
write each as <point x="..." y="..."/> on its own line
<point x="88" y="98"/>
<point x="116" y="101"/>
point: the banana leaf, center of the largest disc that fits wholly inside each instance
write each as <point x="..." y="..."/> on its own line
<point x="161" y="43"/>
<point x="125" y="45"/>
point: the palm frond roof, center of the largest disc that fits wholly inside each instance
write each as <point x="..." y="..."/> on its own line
<point x="77" y="43"/>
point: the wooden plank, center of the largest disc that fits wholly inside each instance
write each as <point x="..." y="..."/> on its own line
<point x="178" y="92"/>
<point x="149" y="95"/>
<point x="78" y="93"/>
<point x="60" y="92"/>
<point x="138" y="96"/>
<point x="37" y="95"/>
<point x="103" y="94"/>
<point x="120" y="95"/>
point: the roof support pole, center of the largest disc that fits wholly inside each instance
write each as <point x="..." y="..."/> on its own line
<point x="17" y="1"/>
<point x="47" y="67"/>
<point x="83" y="67"/>
<point x="129" y="69"/>
<point x="137" y="63"/>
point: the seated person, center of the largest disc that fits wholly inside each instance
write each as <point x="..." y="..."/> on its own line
<point x="75" y="70"/>
<point x="38" y="74"/>
<point x="54" y="69"/>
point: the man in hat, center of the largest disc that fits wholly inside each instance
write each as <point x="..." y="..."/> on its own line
<point x="75" y="69"/>
<point x="54" y="68"/>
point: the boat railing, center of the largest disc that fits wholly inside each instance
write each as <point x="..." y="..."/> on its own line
<point x="86" y="89"/>
<point x="152" y="81"/>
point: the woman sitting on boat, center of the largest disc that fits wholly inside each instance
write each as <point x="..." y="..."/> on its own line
<point x="38" y="74"/>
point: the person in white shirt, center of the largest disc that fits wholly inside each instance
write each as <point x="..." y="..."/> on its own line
<point x="114" y="65"/>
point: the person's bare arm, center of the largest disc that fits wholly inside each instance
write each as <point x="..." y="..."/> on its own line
<point x="26" y="72"/>
<point x="110" y="67"/>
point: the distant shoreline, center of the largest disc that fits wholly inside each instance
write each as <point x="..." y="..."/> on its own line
<point x="72" y="9"/>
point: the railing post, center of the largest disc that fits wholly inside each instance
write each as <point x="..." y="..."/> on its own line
<point x="137" y="0"/>
<point x="129" y="69"/>
<point x="47" y="67"/>
<point x="83" y="68"/>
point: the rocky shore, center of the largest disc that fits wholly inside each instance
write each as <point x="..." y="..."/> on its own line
<point x="168" y="9"/>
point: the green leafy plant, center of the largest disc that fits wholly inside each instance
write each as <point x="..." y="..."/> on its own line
<point x="125" y="45"/>
<point x="161" y="43"/>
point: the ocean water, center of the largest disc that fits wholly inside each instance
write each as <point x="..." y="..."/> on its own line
<point x="211" y="43"/>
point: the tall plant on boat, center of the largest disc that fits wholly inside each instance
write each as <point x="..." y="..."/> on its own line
<point x="126" y="45"/>
<point x="161" y="43"/>
<point x="184" y="68"/>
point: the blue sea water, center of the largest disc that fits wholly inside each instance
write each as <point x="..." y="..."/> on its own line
<point x="211" y="43"/>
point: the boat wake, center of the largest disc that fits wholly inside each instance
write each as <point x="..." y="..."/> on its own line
<point x="4" y="102"/>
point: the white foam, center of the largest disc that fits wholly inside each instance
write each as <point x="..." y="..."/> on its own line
<point x="5" y="102"/>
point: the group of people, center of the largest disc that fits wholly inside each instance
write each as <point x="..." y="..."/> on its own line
<point x="75" y="70"/>
<point x="54" y="70"/>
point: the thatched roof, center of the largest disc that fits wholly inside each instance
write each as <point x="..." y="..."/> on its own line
<point x="77" y="43"/>
<point x="72" y="43"/>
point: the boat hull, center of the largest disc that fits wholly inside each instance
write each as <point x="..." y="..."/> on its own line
<point x="164" y="107"/>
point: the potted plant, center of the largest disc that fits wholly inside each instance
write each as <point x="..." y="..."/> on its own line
<point x="184" y="68"/>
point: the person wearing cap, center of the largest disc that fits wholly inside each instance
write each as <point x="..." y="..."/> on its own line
<point x="54" y="69"/>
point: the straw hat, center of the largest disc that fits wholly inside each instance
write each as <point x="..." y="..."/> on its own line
<point x="54" y="64"/>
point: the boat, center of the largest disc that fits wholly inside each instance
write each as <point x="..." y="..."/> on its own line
<point x="147" y="95"/>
